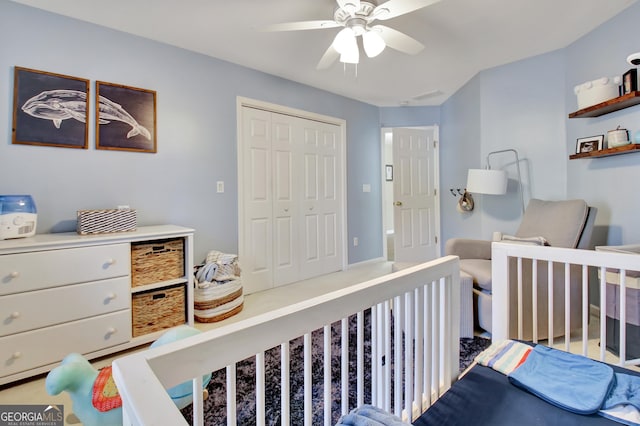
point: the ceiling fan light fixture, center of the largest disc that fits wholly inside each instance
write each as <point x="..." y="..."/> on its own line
<point x="345" y="40"/>
<point x="351" y="55"/>
<point x="373" y="43"/>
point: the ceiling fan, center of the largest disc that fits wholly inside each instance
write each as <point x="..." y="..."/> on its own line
<point x="357" y="17"/>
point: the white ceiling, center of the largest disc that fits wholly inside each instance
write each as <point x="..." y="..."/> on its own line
<point x="461" y="38"/>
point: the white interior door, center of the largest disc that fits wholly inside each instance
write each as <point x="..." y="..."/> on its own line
<point x="291" y="210"/>
<point x="415" y="215"/>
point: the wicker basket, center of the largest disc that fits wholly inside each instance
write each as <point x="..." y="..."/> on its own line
<point x="105" y="221"/>
<point x="157" y="261"/>
<point x="157" y="310"/>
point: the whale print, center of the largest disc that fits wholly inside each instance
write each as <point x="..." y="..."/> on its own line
<point x="110" y="111"/>
<point x="58" y="105"/>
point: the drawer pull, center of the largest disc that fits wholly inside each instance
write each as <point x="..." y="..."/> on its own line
<point x="14" y="274"/>
<point x="16" y="355"/>
<point x="111" y="262"/>
<point x="111" y="296"/>
<point x="158" y="296"/>
<point x="15" y="315"/>
<point x="111" y="330"/>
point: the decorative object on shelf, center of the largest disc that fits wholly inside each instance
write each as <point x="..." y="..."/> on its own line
<point x="589" y="144"/>
<point x="487" y="181"/>
<point x="596" y="91"/>
<point x="630" y="81"/>
<point x="106" y="221"/>
<point x="18" y="216"/>
<point x="50" y="109"/>
<point x="125" y="118"/>
<point x="388" y="170"/>
<point x="617" y="137"/>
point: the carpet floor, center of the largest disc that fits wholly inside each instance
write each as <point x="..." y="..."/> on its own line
<point x="215" y="405"/>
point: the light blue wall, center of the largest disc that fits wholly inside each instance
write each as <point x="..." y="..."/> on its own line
<point x="196" y="107"/>
<point x="409" y="116"/>
<point x="524" y="105"/>
<point x="609" y="183"/>
<point x="459" y="150"/>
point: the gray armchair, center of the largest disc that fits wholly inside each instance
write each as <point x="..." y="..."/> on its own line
<point x="562" y="224"/>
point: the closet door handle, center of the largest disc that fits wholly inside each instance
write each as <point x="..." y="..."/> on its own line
<point x="397" y="203"/>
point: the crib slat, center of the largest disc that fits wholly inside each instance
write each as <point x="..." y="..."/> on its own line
<point x="198" y="403"/>
<point x="567" y="307"/>
<point x="386" y="384"/>
<point x="585" y="310"/>
<point x="419" y="348"/>
<point x="428" y="330"/>
<point x="308" y="415"/>
<point x="435" y="308"/>
<point x="397" y="356"/>
<point x="327" y="374"/>
<point x="285" y="391"/>
<point x="534" y="299"/>
<point x="520" y="300"/>
<point x="360" y="358"/>
<point x="260" y="389"/>
<point x="550" y="301"/>
<point x="408" y="356"/>
<point x="623" y="317"/>
<point x="603" y="311"/>
<point x="344" y="386"/>
<point x="231" y="395"/>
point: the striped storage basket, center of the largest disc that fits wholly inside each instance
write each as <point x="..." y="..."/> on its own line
<point x="105" y="221"/>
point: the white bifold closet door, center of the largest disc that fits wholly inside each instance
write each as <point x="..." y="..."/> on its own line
<point x="292" y="195"/>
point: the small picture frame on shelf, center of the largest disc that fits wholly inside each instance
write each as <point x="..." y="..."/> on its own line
<point x="630" y="81"/>
<point x="589" y="144"/>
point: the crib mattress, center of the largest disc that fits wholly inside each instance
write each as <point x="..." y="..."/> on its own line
<point x="485" y="397"/>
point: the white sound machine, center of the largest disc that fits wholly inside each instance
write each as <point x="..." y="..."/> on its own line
<point x="18" y="216"/>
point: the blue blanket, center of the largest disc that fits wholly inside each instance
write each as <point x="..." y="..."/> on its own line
<point x="569" y="381"/>
<point x="572" y="382"/>
<point x="368" y="415"/>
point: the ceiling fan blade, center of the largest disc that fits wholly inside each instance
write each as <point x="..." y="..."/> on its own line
<point x="302" y="25"/>
<point x="398" y="41"/>
<point x="392" y="8"/>
<point x="329" y="57"/>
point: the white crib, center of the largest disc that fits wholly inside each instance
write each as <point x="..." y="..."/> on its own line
<point x="423" y="301"/>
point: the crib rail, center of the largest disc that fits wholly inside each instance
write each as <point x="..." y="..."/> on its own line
<point x="591" y="266"/>
<point x="422" y="301"/>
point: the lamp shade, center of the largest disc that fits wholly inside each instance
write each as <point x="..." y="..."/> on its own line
<point x="373" y="43"/>
<point x="487" y="181"/>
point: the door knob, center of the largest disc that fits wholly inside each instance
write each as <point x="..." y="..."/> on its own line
<point x="397" y="203"/>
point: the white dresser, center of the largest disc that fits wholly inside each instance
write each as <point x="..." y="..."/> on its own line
<point x="63" y="293"/>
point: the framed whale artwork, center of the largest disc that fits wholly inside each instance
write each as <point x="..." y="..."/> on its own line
<point x="125" y="118"/>
<point x="50" y="109"/>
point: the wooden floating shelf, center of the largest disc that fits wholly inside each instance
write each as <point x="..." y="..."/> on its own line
<point x="607" y="152"/>
<point x="615" y="104"/>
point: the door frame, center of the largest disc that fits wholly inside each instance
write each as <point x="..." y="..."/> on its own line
<point x="384" y="198"/>
<point x="280" y="109"/>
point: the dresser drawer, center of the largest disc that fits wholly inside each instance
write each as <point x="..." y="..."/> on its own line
<point x="32" y="349"/>
<point x="42" y="308"/>
<point x="44" y="269"/>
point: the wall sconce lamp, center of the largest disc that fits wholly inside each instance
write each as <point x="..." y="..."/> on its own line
<point x="494" y="182"/>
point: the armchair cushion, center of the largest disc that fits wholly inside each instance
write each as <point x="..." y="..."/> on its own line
<point x="480" y="270"/>
<point x="466" y="248"/>
<point x="560" y="222"/>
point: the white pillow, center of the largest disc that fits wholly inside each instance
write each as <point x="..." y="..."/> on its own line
<point x="534" y="241"/>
